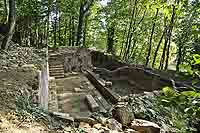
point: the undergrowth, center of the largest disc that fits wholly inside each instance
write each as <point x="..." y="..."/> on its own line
<point x="174" y="111"/>
<point x="27" y="110"/>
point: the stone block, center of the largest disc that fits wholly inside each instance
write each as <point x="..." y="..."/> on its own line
<point x="78" y="90"/>
<point x="108" y="84"/>
<point x="144" y="126"/>
<point x="93" y="105"/>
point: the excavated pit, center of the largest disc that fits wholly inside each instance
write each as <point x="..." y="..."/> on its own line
<point x="79" y="72"/>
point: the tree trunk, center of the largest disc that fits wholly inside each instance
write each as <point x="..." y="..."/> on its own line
<point x="122" y="45"/>
<point x="134" y="53"/>
<point x="55" y="34"/>
<point x="143" y="45"/>
<point x="59" y="32"/>
<point x="70" y="31"/>
<point x="79" y="41"/>
<point x="65" y="32"/>
<point x="157" y="48"/>
<point x="48" y="20"/>
<point x="132" y="49"/>
<point x="55" y="29"/>
<point x="129" y="31"/>
<point x="11" y="25"/>
<point x="6" y="11"/>
<point x="110" y="39"/>
<point x="179" y="58"/>
<point x="163" y="54"/>
<point x="73" y="31"/>
<point x="85" y="32"/>
<point x="150" y="41"/>
<point x="170" y="34"/>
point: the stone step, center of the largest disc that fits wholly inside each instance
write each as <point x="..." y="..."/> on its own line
<point x="55" y="61"/>
<point x="56" y="70"/>
<point x="55" y="66"/>
<point x="58" y="76"/>
<point x="56" y="58"/>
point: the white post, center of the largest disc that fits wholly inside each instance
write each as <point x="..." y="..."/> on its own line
<point x="43" y="87"/>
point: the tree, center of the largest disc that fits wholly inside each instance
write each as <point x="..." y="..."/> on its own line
<point x="11" y="25"/>
<point x="151" y="37"/>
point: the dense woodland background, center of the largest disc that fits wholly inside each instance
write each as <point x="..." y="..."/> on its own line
<point x="155" y="33"/>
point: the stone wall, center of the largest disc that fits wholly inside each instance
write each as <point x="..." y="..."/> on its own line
<point x="102" y="60"/>
<point x="75" y="59"/>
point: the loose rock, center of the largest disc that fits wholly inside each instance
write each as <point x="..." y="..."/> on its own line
<point x="130" y="131"/>
<point x="123" y="113"/>
<point x="145" y="126"/>
<point x="114" y="125"/>
<point x="108" y="84"/>
<point x="84" y="125"/>
<point x="97" y="126"/>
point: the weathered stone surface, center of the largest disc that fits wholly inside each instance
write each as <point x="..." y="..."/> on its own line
<point x="105" y="130"/>
<point x="148" y="93"/>
<point x="93" y="105"/>
<point x="51" y="78"/>
<point x="63" y="116"/>
<point x="78" y="90"/>
<point x="114" y="125"/>
<point x="29" y="66"/>
<point x="68" y="129"/>
<point x="91" y="130"/>
<point x="144" y="126"/>
<point x="123" y="113"/>
<point x="108" y="84"/>
<point x="84" y="125"/>
<point x="130" y="131"/>
<point x="76" y="59"/>
<point x="102" y="120"/>
<point x="107" y="93"/>
<point x="157" y="93"/>
<point x="86" y="120"/>
<point x="97" y="126"/>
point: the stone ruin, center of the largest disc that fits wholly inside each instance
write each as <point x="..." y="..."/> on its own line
<point x="135" y="78"/>
<point x="87" y="81"/>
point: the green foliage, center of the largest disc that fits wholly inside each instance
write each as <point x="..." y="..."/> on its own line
<point x="196" y="59"/>
<point x="27" y="110"/>
<point x="55" y="23"/>
<point x="179" y="111"/>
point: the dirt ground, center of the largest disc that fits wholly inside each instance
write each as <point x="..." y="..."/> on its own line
<point x="70" y="100"/>
<point x="13" y="84"/>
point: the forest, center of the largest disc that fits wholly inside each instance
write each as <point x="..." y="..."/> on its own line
<point x="161" y="36"/>
<point x="152" y="33"/>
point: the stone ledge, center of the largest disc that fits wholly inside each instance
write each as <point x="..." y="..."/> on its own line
<point x="93" y="105"/>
